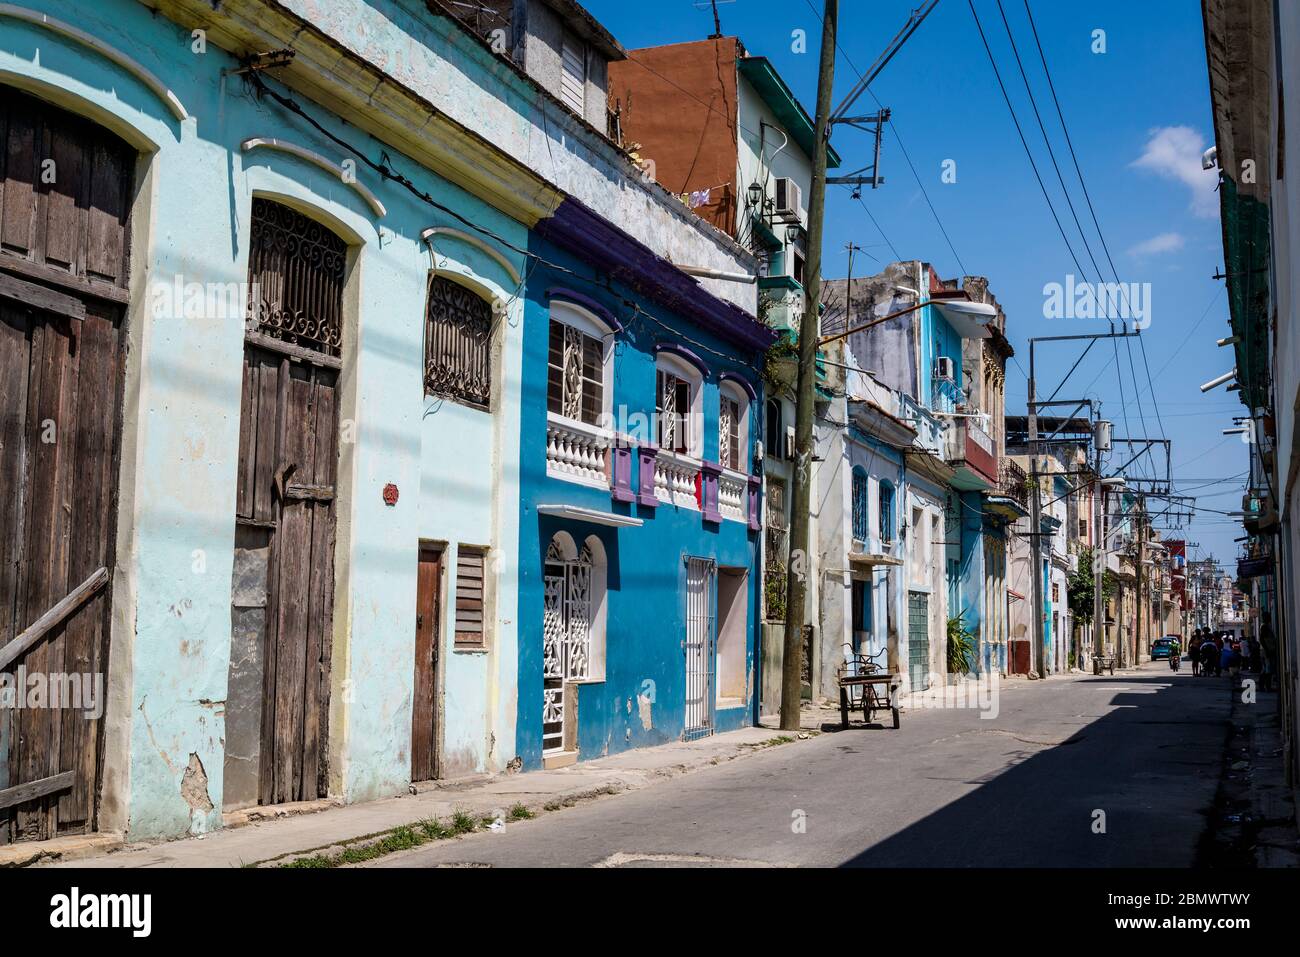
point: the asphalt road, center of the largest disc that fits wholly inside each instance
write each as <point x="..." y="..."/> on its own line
<point x="949" y="789"/>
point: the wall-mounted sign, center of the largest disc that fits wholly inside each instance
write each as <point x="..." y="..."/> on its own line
<point x="390" y="494"/>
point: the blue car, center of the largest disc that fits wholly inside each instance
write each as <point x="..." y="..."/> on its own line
<point x="1162" y="648"/>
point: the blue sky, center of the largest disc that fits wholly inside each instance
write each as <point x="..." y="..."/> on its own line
<point x="1138" y="115"/>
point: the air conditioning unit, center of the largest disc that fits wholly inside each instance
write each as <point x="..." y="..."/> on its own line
<point x="943" y="369"/>
<point x="791" y="447"/>
<point x="789" y="199"/>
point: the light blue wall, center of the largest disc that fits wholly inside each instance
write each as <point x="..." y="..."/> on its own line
<point x="171" y="634"/>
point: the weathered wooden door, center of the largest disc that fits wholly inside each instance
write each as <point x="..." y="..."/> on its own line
<point x="424" y="710"/>
<point x="288" y="462"/>
<point x="64" y="192"/>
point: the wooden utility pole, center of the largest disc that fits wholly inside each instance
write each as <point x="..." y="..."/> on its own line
<point x="801" y="498"/>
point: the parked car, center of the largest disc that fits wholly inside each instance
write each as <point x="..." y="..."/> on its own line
<point x="1163" y="647"/>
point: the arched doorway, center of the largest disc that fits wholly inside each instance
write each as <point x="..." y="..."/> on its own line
<point x="572" y="633"/>
<point x="277" y="715"/>
<point x="66" y="186"/>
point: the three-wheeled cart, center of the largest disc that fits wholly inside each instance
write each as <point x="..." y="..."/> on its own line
<point x="866" y="684"/>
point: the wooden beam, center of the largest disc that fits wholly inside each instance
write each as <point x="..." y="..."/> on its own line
<point x="52" y="618"/>
<point x="78" y="285"/>
<point x="292" y="350"/>
<point x="40" y="297"/>
<point x="32" y="790"/>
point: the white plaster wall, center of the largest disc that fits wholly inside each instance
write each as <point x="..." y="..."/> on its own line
<point x="450" y="69"/>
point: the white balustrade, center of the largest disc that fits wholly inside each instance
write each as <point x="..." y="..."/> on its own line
<point x="675" y="477"/>
<point x="733" y="496"/>
<point x="577" y="452"/>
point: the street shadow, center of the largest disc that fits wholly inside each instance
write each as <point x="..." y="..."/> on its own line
<point x="1133" y="789"/>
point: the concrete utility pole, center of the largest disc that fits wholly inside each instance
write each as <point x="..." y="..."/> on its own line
<point x="801" y="497"/>
<point x="1100" y="437"/>
<point x="1036" y="532"/>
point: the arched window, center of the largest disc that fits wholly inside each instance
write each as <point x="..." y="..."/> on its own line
<point x="458" y="344"/>
<point x="775" y="431"/>
<point x="678" y="408"/>
<point x="579" y="383"/>
<point x="886" y="513"/>
<point x="861" y="506"/>
<point x="733" y="427"/>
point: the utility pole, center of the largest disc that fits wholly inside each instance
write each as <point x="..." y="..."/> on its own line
<point x="1101" y="436"/>
<point x="796" y="581"/>
<point x="1141" y="602"/>
<point x="1036" y="532"/>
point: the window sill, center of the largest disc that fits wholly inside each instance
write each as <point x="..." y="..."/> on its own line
<point x="469" y="650"/>
<point x="727" y="704"/>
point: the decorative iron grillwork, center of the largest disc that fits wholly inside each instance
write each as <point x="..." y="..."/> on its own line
<point x="295" y="273"/>
<point x="566" y="636"/>
<point x="458" y="344"/>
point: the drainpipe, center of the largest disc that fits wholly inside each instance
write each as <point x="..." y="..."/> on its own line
<point x="706" y="272"/>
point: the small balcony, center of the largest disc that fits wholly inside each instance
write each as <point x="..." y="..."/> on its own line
<point x="971" y="451"/>
<point x="577" y="452"/>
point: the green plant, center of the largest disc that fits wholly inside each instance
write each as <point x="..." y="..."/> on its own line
<point x="1079" y="587"/>
<point x="520" y="812"/>
<point x="961" y="646"/>
<point x="774" y="593"/>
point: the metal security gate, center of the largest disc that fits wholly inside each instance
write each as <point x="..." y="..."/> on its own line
<point x="918" y="639"/>
<point x="566" y="641"/>
<point x="65" y="189"/>
<point x="700" y="647"/>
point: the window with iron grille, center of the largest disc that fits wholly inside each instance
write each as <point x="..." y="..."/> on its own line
<point x="729" y="433"/>
<point x="458" y="344"/>
<point x="575" y="374"/>
<point x="295" y="275"/>
<point x="861" y="521"/>
<point x="672" y="411"/>
<point x="775" y="558"/>
<point x="886" y="513"/>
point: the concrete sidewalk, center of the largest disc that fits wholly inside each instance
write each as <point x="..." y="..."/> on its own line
<point x="283" y="838"/>
<point x="265" y="835"/>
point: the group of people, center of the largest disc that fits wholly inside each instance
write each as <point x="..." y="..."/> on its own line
<point x="1214" y="653"/>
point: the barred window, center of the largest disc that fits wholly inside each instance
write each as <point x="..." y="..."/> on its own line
<point x="673" y="412"/>
<point x="295" y="273"/>
<point x="729" y="433"/>
<point x="886" y="513"/>
<point x="860" y="507"/>
<point x="575" y="374"/>
<point x="458" y="344"/>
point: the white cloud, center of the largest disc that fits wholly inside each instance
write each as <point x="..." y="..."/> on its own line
<point x="1174" y="152"/>
<point x="1164" y="243"/>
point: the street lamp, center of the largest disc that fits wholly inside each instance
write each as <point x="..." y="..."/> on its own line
<point x="755" y="194"/>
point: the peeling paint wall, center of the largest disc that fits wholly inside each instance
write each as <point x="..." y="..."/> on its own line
<point x="170" y="713"/>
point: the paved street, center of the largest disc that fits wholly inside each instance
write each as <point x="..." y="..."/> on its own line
<point x="947" y="789"/>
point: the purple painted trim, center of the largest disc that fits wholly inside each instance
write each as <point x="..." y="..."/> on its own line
<point x="646" y="455"/>
<point x="611" y="250"/>
<point x="755" y="502"/>
<point x="621" y="473"/>
<point x="680" y="350"/>
<point x="740" y="381"/>
<point x="578" y="299"/>
<point x="709" y="472"/>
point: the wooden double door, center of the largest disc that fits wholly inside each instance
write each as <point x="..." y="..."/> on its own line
<point x="65" y="188"/>
<point x="283" y="591"/>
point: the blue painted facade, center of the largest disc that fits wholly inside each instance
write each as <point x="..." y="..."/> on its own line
<point x="638" y="699"/>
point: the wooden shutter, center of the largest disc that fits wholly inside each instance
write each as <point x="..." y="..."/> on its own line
<point x="573" y="73"/>
<point x="470" y="578"/>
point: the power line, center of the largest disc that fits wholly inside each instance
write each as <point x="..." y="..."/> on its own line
<point x="902" y="148"/>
